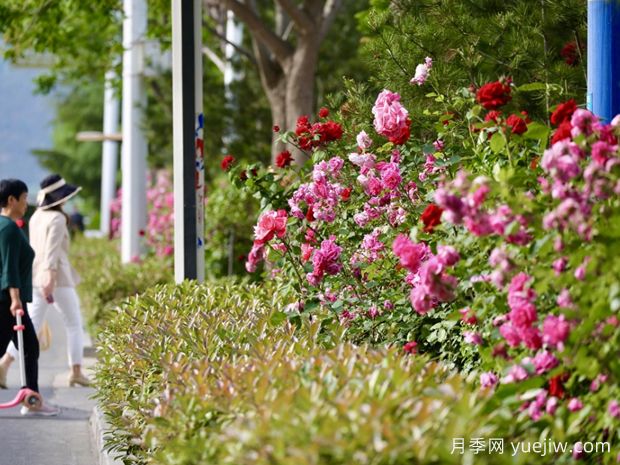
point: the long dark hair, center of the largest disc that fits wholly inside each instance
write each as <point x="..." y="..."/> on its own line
<point x="58" y="208"/>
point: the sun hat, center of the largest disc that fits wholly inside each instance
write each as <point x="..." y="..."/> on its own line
<point x="54" y="191"/>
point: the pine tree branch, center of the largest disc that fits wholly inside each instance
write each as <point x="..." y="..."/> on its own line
<point x="281" y="49"/>
<point x="303" y="22"/>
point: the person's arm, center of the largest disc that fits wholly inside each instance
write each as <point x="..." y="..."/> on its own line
<point x="16" y="302"/>
<point x="10" y="245"/>
<point x="53" y="250"/>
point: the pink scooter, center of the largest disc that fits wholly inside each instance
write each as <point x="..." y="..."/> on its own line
<point x="26" y="396"/>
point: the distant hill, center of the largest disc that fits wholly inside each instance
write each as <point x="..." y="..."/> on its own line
<point x="25" y="124"/>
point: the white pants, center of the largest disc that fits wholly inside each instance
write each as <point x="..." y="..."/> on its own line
<point x="66" y="301"/>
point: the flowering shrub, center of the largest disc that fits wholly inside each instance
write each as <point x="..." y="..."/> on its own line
<point x="490" y="248"/>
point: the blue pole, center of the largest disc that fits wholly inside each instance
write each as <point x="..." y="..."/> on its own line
<point x="603" y="97"/>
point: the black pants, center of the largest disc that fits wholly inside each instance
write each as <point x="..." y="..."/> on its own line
<point x="31" y="343"/>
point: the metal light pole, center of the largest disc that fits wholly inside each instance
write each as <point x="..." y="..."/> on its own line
<point x="188" y="127"/>
<point x="603" y="97"/>
<point x="133" y="163"/>
<point x="109" y="162"/>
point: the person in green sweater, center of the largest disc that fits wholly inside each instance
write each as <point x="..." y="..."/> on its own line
<point x="16" y="257"/>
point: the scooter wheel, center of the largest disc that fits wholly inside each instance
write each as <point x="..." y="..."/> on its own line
<point x="33" y="400"/>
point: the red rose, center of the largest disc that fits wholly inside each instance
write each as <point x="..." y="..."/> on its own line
<point x="431" y="217"/>
<point x="410" y="347"/>
<point x="563" y="112"/>
<point x="283" y="159"/>
<point x="493" y="115"/>
<point x="518" y="123"/>
<point x="563" y="132"/>
<point x="403" y="135"/>
<point x="323" y="112"/>
<point x="556" y="385"/>
<point x="570" y="54"/>
<point x="227" y="162"/>
<point x="345" y="194"/>
<point x="276" y="128"/>
<point x="329" y="131"/>
<point x="493" y="95"/>
<point x="310" y="214"/>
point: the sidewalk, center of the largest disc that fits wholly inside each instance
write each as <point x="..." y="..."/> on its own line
<point x="62" y="440"/>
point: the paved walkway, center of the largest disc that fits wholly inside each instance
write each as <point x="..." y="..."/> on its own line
<point x="62" y="440"/>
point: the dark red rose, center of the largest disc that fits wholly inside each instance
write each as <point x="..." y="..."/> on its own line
<point x="276" y="128"/>
<point x="556" y="385"/>
<point x="345" y="194"/>
<point x="518" y="123"/>
<point x="283" y="159"/>
<point x="493" y="115"/>
<point x="227" y="162"/>
<point x="310" y="214"/>
<point x="562" y="132"/>
<point x="323" y="112"/>
<point x="403" y="135"/>
<point x="410" y="347"/>
<point x="493" y="95"/>
<point x="431" y="217"/>
<point x="563" y="112"/>
<point x="329" y="131"/>
<point x="570" y="54"/>
<point x="500" y="351"/>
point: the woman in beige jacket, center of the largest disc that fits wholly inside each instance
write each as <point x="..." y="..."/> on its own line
<point x="53" y="277"/>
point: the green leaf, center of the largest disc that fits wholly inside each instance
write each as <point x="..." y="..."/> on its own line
<point x="532" y="86"/>
<point x="536" y="131"/>
<point x="498" y="142"/>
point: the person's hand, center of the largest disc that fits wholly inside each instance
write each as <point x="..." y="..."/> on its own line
<point x="48" y="287"/>
<point x="16" y="304"/>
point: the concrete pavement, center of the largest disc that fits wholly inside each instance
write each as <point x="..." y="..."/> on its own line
<point x="62" y="440"/>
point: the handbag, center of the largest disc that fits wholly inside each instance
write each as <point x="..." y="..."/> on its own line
<point x="45" y="336"/>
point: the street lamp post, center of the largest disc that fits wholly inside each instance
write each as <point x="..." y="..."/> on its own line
<point x="188" y="127"/>
<point x="603" y="97"/>
<point x="133" y="163"/>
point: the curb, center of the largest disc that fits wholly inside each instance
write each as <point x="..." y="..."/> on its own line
<point x="98" y="426"/>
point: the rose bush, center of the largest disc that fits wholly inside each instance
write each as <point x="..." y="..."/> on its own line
<point x="489" y="247"/>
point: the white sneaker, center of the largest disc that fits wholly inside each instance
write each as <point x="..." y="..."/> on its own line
<point x="44" y="411"/>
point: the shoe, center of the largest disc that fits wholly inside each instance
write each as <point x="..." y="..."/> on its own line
<point x="44" y="411"/>
<point x="78" y="380"/>
<point x="2" y="377"/>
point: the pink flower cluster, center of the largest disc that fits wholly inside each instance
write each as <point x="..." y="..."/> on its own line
<point x="270" y="224"/>
<point x="421" y="72"/>
<point x="391" y="118"/>
<point x="380" y="181"/>
<point x="326" y="260"/>
<point x="159" y="231"/>
<point x="462" y="202"/>
<point x="322" y="195"/>
<point x="522" y="316"/>
<point x="370" y="248"/>
<point x="427" y="272"/>
<point x="577" y="180"/>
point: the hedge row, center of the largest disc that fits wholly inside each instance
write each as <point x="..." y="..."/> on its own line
<point x="216" y="374"/>
<point x="105" y="282"/>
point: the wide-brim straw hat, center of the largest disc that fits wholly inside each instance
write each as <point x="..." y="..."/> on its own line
<point x="55" y="191"/>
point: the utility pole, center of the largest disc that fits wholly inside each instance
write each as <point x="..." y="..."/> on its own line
<point x="603" y="97"/>
<point x="188" y="128"/>
<point x="134" y="148"/>
<point x="109" y="162"/>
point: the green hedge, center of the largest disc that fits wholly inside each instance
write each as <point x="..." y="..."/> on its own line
<point x="216" y="374"/>
<point x="105" y="282"/>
